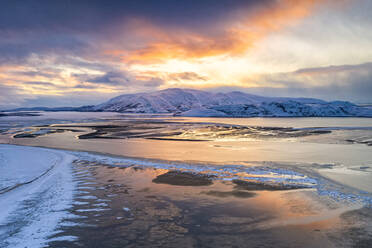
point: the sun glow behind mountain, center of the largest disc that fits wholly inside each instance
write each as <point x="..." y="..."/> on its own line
<point x="80" y="52"/>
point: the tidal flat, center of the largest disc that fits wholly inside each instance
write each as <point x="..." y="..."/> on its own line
<point x="130" y="207"/>
<point x="163" y="181"/>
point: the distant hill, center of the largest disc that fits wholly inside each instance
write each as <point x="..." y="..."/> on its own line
<point x="189" y="102"/>
<point x="56" y="109"/>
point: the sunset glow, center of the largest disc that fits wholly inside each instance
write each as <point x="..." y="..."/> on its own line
<point x="283" y="48"/>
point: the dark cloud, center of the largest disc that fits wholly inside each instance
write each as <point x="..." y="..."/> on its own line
<point x="343" y="82"/>
<point x="117" y="78"/>
<point x="78" y="27"/>
<point x="39" y="83"/>
<point x="86" y="86"/>
<point x="335" y="69"/>
<point x="74" y="99"/>
<point x="111" y="78"/>
<point x="346" y="82"/>
<point x="33" y="73"/>
<point x="55" y="41"/>
<point x="186" y="76"/>
<point x="357" y="91"/>
<point x="90" y="15"/>
<point x="79" y="62"/>
<point x="16" y="47"/>
<point x="10" y="96"/>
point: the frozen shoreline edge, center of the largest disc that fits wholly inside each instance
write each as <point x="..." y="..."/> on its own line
<point x="32" y="212"/>
<point x="282" y="174"/>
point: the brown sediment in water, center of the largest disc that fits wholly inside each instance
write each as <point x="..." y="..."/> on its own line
<point x="25" y="135"/>
<point x="178" y="131"/>
<point x="133" y="211"/>
<point x="175" y="139"/>
<point x="368" y="142"/>
<point x="20" y="114"/>
<point x="257" y="185"/>
<point x="233" y="193"/>
<point x="96" y="135"/>
<point x="184" y="179"/>
<point x="355" y="229"/>
<point x="32" y="134"/>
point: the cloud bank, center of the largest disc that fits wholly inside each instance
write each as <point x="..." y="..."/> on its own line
<point x="81" y="52"/>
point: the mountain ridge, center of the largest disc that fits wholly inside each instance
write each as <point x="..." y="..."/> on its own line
<point x="191" y="102"/>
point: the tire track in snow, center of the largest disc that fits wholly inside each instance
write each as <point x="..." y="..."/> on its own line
<point x="32" y="211"/>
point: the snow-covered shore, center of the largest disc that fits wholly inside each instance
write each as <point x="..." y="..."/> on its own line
<point x="22" y="165"/>
<point x="39" y="191"/>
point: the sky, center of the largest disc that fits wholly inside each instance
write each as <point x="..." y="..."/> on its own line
<point x="75" y="52"/>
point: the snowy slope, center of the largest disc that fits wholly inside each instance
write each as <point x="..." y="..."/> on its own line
<point x="188" y="102"/>
<point x="31" y="212"/>
<point x="203" y="112"/>
<point x="293" y="108"/>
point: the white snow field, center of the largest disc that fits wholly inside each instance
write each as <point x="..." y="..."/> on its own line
<point x="21" y="165"/>
<point x="37" y="192"/>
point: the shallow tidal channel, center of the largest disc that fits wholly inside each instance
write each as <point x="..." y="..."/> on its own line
<point x="137" y="207"/>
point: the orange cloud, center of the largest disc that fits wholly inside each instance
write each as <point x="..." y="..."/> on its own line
<point x="239" y="36"/>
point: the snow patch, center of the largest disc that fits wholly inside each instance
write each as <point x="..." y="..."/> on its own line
<point x="32" y="212"/>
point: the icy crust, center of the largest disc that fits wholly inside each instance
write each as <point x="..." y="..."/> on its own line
<point x="276" y="177"/>
<point x="271" y="176"/>
<point x="342" y="193"/>
<point x="360" y="198"/>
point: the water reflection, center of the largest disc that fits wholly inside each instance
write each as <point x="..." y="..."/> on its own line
<point x="208" y="142"/>
<point x="129" y="207"/>
<point x="140" y="213"/>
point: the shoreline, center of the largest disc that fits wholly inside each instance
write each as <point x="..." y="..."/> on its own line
<point x="268" y="189"/>
<point x="112" y="192"/>
<point x="338" y="191"/>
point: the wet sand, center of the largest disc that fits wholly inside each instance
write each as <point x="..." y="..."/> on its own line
<point x="124" y="207"/>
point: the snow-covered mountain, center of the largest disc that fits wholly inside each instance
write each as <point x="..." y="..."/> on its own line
<point x="189" y="102"/>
